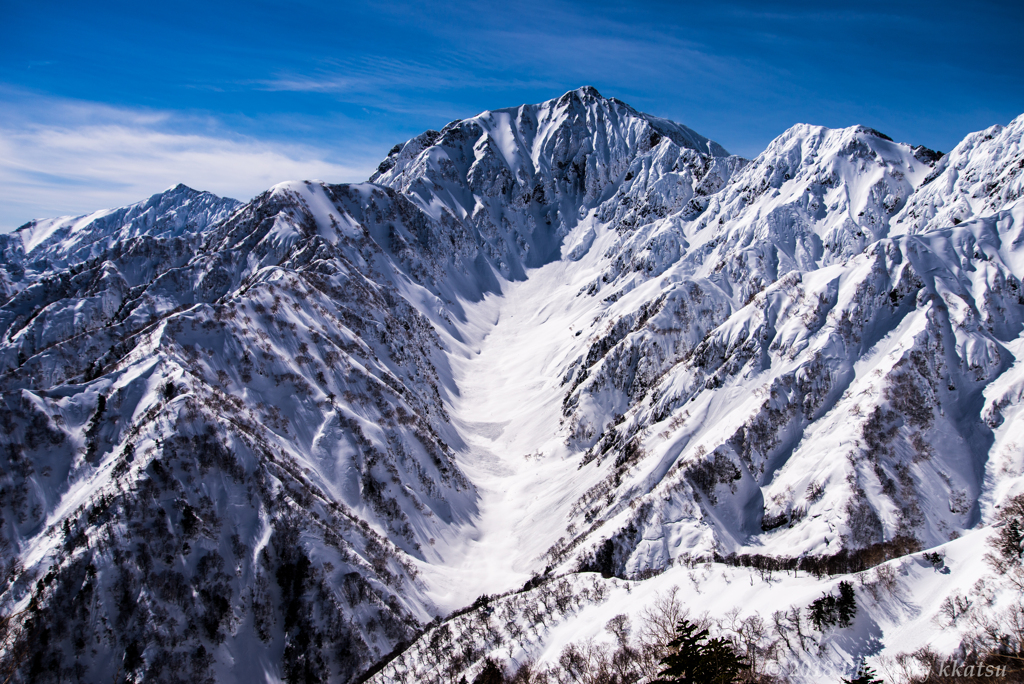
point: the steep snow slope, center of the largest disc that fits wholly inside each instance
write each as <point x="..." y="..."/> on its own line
<point x="219" y="438"/>
<point x="52" y="244"/>
<point x="820" y="428"/>
<point x="982" y="174"/>
<point x="757" y="340"/>
<point x="271" y="441"/>
<point x="507" y="186"/>
<point x="176" y="211"/>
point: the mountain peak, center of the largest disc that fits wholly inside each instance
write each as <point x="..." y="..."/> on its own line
<point x="521" y="178"/>
<point x="581" y="113"/>
<point x="584" y="93"/>
<point x="174" y="211"/>
<point x="979" y="176"/>
<point x="866" y="130"/>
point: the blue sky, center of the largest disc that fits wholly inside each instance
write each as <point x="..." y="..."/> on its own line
<point x="103" y="104"/>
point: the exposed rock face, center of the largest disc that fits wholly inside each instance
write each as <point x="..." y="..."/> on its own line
<point x="243" y="441"/>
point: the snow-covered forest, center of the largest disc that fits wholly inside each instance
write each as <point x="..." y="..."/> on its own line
<point x="554" y="379"/>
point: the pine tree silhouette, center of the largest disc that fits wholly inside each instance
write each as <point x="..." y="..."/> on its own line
<point x="697" y="658"/>
<point x="846" y="606"/>
<point x="865" y="675"/>
<point x="490" y="674"/>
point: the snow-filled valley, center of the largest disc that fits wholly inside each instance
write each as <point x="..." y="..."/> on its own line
<point x="552" y="365"/>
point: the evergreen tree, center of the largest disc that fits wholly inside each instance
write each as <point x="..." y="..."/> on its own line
<point x="685" y="652"/>
<point x="696" y="658"/>
<point x="490" y="674"/>
<point x="846" y="606"/>
<point x="1011" y="540"/>
<point x="865" y="675"/>
<point x="823" y="612"/>
<point x="830" y="610"/>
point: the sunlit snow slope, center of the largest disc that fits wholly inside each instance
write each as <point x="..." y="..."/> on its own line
<point x="272" y="441"/>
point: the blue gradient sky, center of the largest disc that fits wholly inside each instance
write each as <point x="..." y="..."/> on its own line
<point x="102" y="104"/>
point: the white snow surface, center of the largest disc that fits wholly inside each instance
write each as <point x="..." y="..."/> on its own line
<point x="546" y="340"/>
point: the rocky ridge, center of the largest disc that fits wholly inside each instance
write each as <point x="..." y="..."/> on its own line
<point x="250" y="441"/>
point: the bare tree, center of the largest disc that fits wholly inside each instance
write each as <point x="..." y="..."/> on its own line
<point x="780" y="628"/>
<point x="887" y="579"/>
<point x="795" y="617"/>
<point x="13" y="649"/>
<point x="620" y="627"/>
<point x="658" y="628"/>
<point x="753" y="631"/>
<point x="954" y="607"/>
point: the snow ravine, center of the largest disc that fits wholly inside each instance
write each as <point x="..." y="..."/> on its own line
<point x="508" y="405"/>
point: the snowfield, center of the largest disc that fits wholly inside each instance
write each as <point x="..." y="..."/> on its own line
<point x="551" y="365"/>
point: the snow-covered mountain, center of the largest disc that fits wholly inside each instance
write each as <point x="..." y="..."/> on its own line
<point x="273" y="441"/>
<point x="48" y="245"/>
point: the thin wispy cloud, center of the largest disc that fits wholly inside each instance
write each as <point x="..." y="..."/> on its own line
<point x="400" y="86"/>
<point x="88" y="157"/>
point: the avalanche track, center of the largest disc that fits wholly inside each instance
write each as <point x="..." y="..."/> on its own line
<point x="508" y="407"/>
